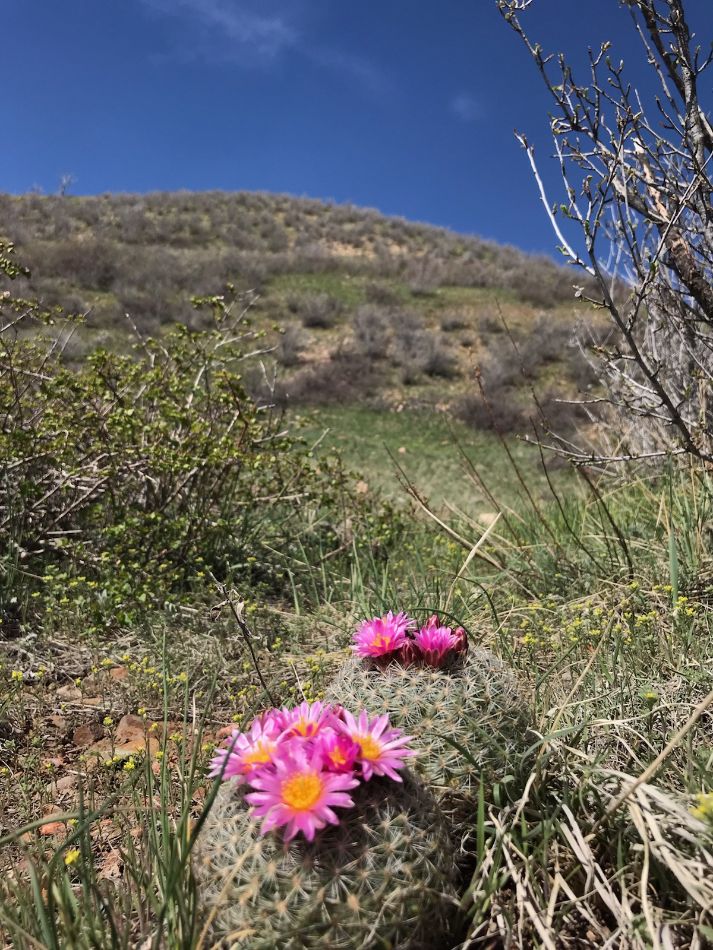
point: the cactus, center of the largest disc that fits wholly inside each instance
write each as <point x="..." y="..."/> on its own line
<point x="384" y="877"/>
<point x="477" y="703"/>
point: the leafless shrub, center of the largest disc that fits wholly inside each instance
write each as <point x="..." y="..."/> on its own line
<point x="452" y="322"/>
<point x="550" y="339"/>
<point x="290" y="346"/>
<point x="495" y="414"/>
<point x="381" y="295"/>
<point x="638" y="184"/>
<point x="501" y="369"/>
<point x="319" y="310"/>
<point x="419" y="351"/>
<point x="372" y="331"/>
<point x="555" y="413"/>
<point x="424" y="276"/>
<point x="490" y="324"/>
<point x="157" y="244"/>
<point x="344" y="378"/>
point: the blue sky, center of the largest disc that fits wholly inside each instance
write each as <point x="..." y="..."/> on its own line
<point x="404" y="105"/>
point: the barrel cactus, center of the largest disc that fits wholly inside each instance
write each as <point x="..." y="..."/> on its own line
<point x="385" y="876"/>
<point x="469" y="720"/>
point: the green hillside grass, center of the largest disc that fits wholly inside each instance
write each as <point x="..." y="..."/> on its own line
<point x="433" y="452"/>
<point x="354" y="306"/>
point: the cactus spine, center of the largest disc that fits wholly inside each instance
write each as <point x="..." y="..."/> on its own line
<point x="476" y="706"/>
<point x="384" y="877"/>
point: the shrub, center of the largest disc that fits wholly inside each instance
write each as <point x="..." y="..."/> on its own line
<point x="424" y="276"/>
<point x="501" y="414"/>
<point x="371" y="331"/>
<point x="291" y="343"/>
<point x="454" y="322"/>
<point x="381" y="295"/>
<point x="126" y="481"/>
<point x="417" y="350"/>
<point x="344" y="378"/>
<point x="319" y="310"/>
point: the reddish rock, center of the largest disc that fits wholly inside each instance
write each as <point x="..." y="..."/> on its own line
<point x="225" y="731"/>
<point x="86" y="734"/>
<point x="130" y="728"/>
<point x="53" y="828"/>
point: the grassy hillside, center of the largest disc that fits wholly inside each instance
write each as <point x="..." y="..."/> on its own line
<point x="356" y="307"/>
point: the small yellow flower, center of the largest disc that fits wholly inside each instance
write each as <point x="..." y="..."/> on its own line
<point x="129" y="765"/>
<point x="704" y="807"/>
<point x="108" y="721"/>
<point x="17" y="675"/>
<point x="107" y="662"/>
<point x="71" y="856"/>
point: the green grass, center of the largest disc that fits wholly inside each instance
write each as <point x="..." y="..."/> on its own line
<point x="430" y="448"/>
<point x="345" y="288"/>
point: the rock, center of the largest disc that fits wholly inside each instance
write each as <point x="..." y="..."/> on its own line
<point x="130" y="728"/>
<point x="53" y="828"/>
<point x="86" y="734"/>
<point x="69" y="693"/>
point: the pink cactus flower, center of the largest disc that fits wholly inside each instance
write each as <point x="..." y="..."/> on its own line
<point x="339" y="752"/>
<point x="382" y="635"/>
<point x="246" y="752"/>
<point x="298" y="793"/>
<point x="437" y="644"/>
<point x="306" y="720"/>
<point x="381" y="749"/>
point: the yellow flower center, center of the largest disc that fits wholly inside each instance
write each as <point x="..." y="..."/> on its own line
<point x="370" y="748"/>
<point x="337" y="756"/>
<point x="381" y="640"/>
<point x="302" y="792"/>
<point x="259" y="754"/>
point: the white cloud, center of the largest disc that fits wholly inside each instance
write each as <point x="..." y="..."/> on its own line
<point x="239" y="26"/>
<point x="259" y="32"/>
<point x="466" y="108"/>
<point x="354" y="68"/>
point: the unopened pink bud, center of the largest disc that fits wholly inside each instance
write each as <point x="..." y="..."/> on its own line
<point x="410" y="653"/>
<point x="461" y="644"/>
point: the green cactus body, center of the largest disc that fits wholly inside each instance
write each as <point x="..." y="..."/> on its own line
<point x="476" y="706"/>
<point x="385" y="877"/>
